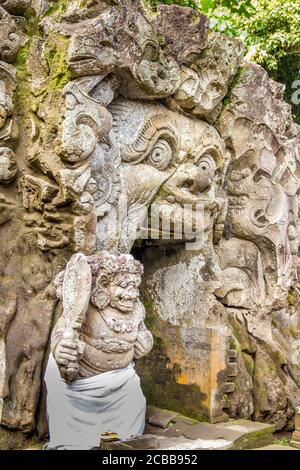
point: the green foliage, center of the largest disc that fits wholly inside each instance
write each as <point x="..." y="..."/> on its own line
<point x="269" y="28"/>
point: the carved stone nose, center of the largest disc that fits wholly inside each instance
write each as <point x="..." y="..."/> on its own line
<point x="193" y="179"/>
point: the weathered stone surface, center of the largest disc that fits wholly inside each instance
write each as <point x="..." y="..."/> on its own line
<point x="9" y="39"/>
<point x="182" y="435"/>
<point x="183" y="30"/>
<point x="295" y="441"/>
<point x="12" y="440"/>
<point x="15" y="6"/>
<point x="159" y="417"/>
<point x="111" y="112"/>
<point x="102" y="315"/>
<point x="276" y="447"/>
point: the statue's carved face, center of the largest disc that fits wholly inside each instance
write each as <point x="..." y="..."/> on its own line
<point x="167" y="159"/>
<point x="124" y="292"/>
<point x="262" y="187"/>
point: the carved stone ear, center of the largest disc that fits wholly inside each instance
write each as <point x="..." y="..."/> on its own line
<point x="100" y="297"/>
<point x="100" y="294"/>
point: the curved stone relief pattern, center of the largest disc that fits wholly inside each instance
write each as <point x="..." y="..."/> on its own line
<point x="9" y="45"/>
<point x="128" y="118"/>
<point x="262" y="185"/>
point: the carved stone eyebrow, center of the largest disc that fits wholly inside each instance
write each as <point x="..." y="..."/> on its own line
<point x="156" y="124"/>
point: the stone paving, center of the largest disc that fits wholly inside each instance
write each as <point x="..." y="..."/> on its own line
<point x="167" y="430"/>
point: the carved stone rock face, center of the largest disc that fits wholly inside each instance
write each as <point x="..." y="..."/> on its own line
<point x="15" y="6"/>
<point x="183" y="30"/>
<point x="102" y="311"/>
<point x="8" y="166"/>
<point x="205" y="79"/>
<point x="263" y="184"/>
<point x="262" y="192"/>
<point x="9" y="39"/>
<point x="75" y="13"/>
<point x="112" y="112"/>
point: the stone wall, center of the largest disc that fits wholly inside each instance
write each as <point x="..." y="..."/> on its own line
<point x="108" y="109"/>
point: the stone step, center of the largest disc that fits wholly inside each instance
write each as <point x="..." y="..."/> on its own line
<point x="276" y="447"/>
<point x="167" y="430"/>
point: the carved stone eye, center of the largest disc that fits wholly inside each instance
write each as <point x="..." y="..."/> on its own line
<point x="208" y="165"/>
<point x="161" y="155"/>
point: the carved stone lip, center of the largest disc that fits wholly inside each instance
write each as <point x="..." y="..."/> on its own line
<point x="81" y="58"/>
<point x="126" y="304"/>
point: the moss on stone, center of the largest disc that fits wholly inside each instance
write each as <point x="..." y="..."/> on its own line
<point x="56" y="49"/>
<point x="21" y="59"/>
<point x="161" y="389"/>
<point x="227" y="99"/>
<point x="53" y="9"/>
<point x="235" y="345"/>
<point x="83" y="4"/>
<point x="16" y="440"/>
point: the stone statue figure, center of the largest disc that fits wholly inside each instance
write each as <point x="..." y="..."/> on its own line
<point x="92" y="386"/>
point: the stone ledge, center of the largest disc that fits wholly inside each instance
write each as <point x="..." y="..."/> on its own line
<point x="167" y="430"/>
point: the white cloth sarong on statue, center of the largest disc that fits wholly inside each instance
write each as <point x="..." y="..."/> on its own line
<point x="79" y="413"/>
